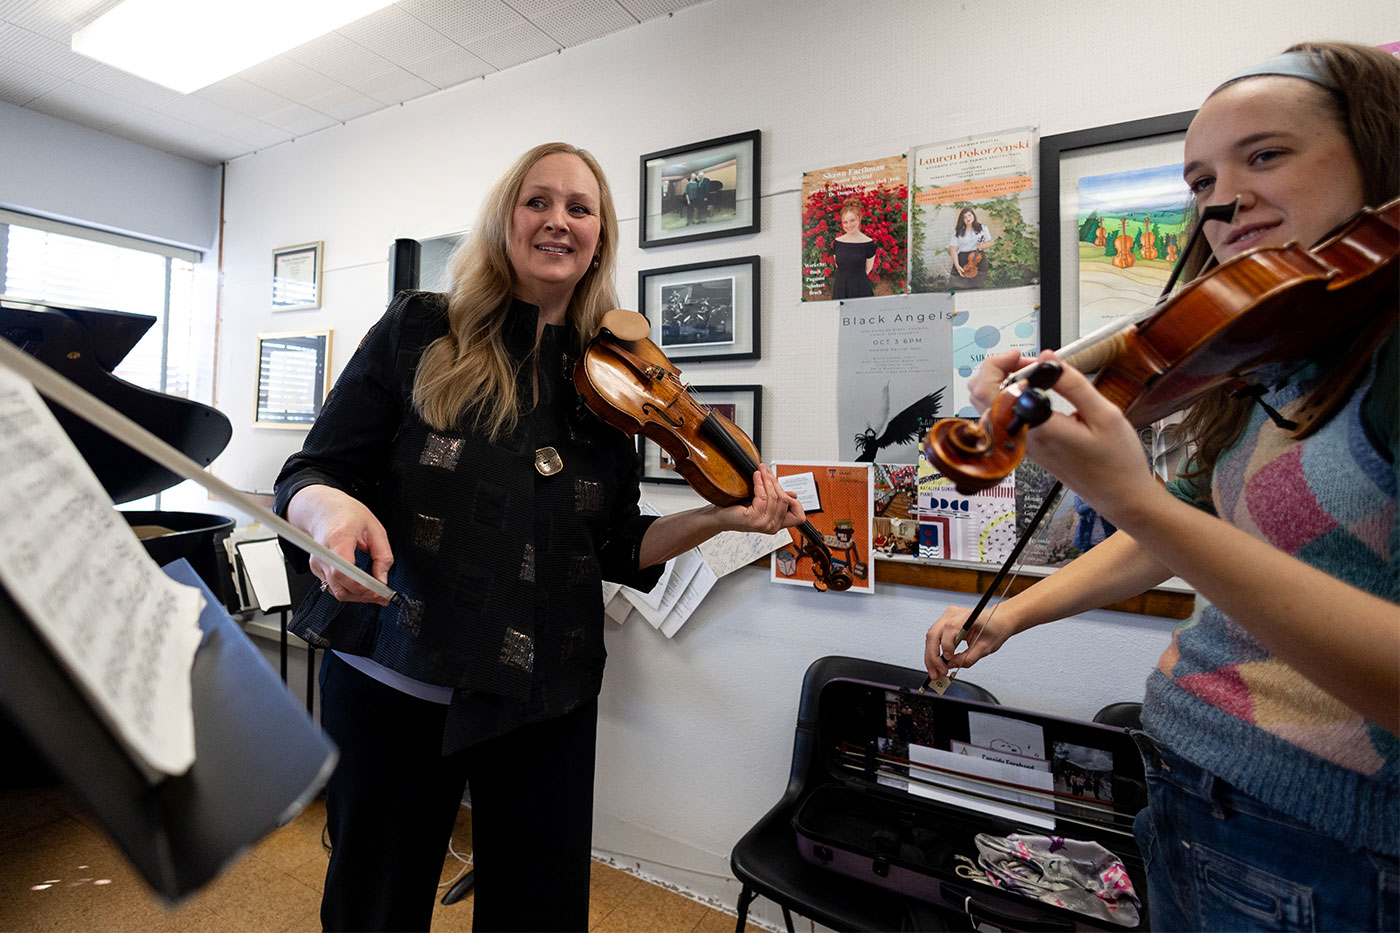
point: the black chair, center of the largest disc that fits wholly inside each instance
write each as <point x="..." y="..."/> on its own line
<point x="766" y="859"/>
<point x="1122" y="715"/>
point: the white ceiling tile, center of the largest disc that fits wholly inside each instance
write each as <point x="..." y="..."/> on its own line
<point x="197" y="111"/>
<point x="583" y="20"/>
<point x="534" y="9"/>
<point x="344" y="104"/>
<point x="291" y="79"/>
<point x="299" y="120"/>
<point x="339" y="58"/>
<point x="447" y="69"/>
<point x="255" y="133"/>
<point x="394" y="86"/>
<point x="464" y="21"/>
<point x="36" y="51"/>
<point x="243" y="97"/>
<point x="19" y="84"/>
<point x="651" y="9"/>
<point x="126" y="86"/>
<point x="515" y="45"/>
<point x="396" y="35"/>
<point x="84" y="106"/>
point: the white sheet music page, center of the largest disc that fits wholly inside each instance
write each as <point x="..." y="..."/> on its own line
<point x="126" y="632"/>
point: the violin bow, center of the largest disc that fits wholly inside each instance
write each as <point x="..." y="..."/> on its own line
<point x="1052" y="496"/>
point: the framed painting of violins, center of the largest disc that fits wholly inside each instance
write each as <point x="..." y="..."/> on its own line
<point x="701" y="190"/>
<point x="1114" y="215"/>
<point x="703" y="310"/>
<point x="741" y="404"/>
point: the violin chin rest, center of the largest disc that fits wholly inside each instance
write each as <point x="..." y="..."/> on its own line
<point x="627" y="325"/>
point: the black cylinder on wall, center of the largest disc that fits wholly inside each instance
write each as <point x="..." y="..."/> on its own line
<point x="403" y="266"/>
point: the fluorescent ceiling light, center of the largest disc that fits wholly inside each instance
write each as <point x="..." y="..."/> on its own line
<point x="188" y="44"/>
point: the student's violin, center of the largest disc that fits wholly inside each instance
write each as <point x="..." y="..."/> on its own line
<point x="626" y="379"/>
<point x="1269" y="304"/>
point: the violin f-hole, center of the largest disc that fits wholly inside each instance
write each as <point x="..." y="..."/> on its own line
<point x="651" y="409"/>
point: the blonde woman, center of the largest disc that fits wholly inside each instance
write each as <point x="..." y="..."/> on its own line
<point x="454" y="458"/>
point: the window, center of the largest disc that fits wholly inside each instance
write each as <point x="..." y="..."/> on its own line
<point x="49" y="262"/>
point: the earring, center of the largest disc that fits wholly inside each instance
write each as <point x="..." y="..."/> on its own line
<point x="597" y="260"/>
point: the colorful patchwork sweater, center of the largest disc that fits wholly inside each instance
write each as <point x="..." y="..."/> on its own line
<point x="1218" y="697"/>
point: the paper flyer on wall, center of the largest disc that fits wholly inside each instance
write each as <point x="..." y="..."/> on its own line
<point x="836" y="497"/>
<point x="954" y="526"/>
<point x="894" y="366"/>
<point x="975" y="218"/>
<point x="896" y="506"/>
<point x="988" y="322"/>
<point x="855" y="229"/>
<point x="125" y="631"/>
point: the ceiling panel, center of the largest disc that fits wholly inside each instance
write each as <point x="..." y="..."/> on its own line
<point x="403" y="51"/>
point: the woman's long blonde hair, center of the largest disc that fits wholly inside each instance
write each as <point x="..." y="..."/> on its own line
<point x="467" y="374"/>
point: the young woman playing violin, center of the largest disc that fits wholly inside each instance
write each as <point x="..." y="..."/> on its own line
<point x="1270" y="722"/>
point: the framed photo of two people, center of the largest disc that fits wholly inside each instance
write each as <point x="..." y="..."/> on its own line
<point x="700" y="191"/>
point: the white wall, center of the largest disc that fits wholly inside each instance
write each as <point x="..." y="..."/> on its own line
<point x="696" y="732"/>
<point x="54" y="168"/>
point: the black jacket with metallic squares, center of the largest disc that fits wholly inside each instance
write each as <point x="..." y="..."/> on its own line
<point x="500" y="565"/>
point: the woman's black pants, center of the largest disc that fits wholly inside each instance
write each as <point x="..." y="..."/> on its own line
<point x="393" y="800"/>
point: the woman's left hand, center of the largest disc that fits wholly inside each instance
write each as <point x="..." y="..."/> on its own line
<point x="771" y="509"/>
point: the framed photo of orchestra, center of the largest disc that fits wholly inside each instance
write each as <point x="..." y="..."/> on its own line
<point x="703" y="310"/>
<point x="700" y="190"/>
<point x="741" y="404"/>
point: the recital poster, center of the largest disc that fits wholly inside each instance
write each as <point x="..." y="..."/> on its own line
<point x="975" y="218"/>
<point x="894" y="366"/>
<point x="836" y="498"/>
<point x="1132" y="226"/>
<point x="855" y="230"/>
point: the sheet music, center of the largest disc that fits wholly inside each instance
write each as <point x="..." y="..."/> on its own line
<point x="125" y="631"/>
<point x="656" y="605"/>
<point x="700" y="586"/>
<point x="727" y="551"/>
<point x="262" y="561"/>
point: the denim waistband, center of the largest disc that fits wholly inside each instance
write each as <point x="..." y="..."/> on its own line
<point x="1163" y="764"/>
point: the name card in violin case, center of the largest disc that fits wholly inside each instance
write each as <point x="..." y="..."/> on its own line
<point x="1013" y="818"/>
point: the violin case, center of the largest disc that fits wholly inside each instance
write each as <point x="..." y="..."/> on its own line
<point x="859" y="817"/>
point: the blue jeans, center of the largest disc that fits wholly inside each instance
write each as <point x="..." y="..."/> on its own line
<point x="1218" y="859"/>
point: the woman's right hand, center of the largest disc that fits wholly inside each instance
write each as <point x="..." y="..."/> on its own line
<point x="345" y="525"/>
<point x="986" y="380"/>
<point x="940" y="643"/>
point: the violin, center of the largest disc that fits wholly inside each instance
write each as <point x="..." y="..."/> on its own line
<point x="1269" y="304"/>
<point x="970" y="270"/>
<point x="625" y="378"/>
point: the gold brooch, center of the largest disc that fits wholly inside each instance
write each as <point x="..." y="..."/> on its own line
<point x="548" y="462"/>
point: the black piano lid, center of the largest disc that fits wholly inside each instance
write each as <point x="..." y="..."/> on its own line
<point x="85" y="345"/>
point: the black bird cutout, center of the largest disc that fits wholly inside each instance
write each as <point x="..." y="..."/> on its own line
<point x="900" y="429"/>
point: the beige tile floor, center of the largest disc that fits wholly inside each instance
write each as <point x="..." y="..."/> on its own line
<point x="59" y="872"/>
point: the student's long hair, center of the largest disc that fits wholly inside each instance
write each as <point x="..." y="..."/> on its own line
<point x="467" y="374"/>
<point x="1365" y="103"/>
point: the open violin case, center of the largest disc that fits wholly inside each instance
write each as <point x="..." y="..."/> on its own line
<point x="892" y="805"/>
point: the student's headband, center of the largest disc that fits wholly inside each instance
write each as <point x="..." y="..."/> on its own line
<point x="1295" y="64"/>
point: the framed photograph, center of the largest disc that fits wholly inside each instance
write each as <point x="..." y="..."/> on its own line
<point x="701" y="190"/>
<point x="742" y="405"/>
<point x="703" y="310"/>
<point x="296" y="277"/>
<point x="293" y="378"/>
<point x="1113" y="218"/>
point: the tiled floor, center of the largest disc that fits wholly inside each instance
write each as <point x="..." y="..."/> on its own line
<point x="59" y="872"/>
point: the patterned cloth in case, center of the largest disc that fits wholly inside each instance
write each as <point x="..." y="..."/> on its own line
<point x="1079" y="876"/>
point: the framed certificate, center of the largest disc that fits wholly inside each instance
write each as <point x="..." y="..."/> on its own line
<point x="293" y="378"/>
<point x="296" y="277"/>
